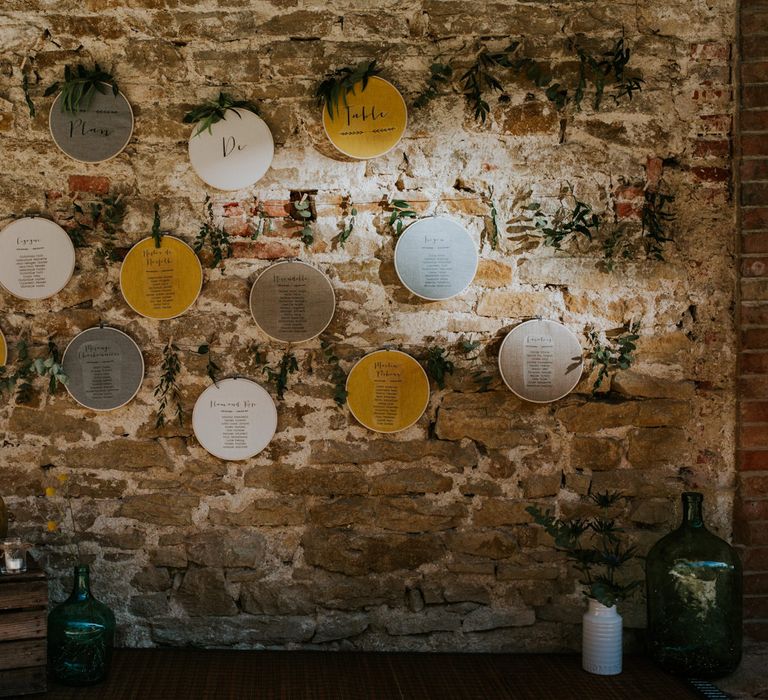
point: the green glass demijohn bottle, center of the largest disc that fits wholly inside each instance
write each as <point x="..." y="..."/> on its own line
<point x="80" y="635"/>
<point x="694" y="585"/>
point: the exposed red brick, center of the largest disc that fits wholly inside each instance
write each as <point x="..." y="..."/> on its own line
<point x="755" y="487"/>
<point x="754" y="314"/>
<point x="754" y="411"/>
<point x="95" y="184"/>
<point x="753" y="47"/>
<point x="756" y="584"/>
<point x="754" y="21"/>
<point x="754" y="193"/>
<point x="627" y="210"/>
<point x="711" y="51"/>
<point x="754" y="510"/>
<point x="756" y="72"/>
<point x="715" y="124"/>
<point x="754" y="267"/>
<point x="753" y="460"/>
<point x="754" y="169"/>
<point x="754" y="95"/>
<point x="754" y="339"/>
<point x="627" y="193"/>
<point x="703" y="148"/>
<point x="754" y="120"/>
<point x="756" y="558"/>
<point x="654" y="167"/>
<point x="752" y="243"/>
<point x="275" y="208"/>
<point x="264" y="250"/>
<point x="751" y="436"/>
<point x="754" y="218"/>
<point x="754" y="145"/>
<point x="757" y="631"/>
<point x="711" y="174"/>
<point x="755" y="387"/>
<point x="754" y="363"/>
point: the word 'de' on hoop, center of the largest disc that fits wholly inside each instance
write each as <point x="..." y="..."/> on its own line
<point x="387" y="391"/>
<point x="235" y="153"/>
<point x="541" y="361"/>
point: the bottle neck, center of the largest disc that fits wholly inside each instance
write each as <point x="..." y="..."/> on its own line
<point x="692" y="510"/>
<point x="81" y="588"/>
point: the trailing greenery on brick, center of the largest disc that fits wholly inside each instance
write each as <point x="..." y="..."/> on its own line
<point x="303" y="209"/>
<point x="399" y="213"/>
<point x="347" y="227"/>
<point x="19" y="377"/>
<point x="337" y="85"/>
<point x="573" y="218"/>
<point x="471" y="350"/>
<point x="103" y="217"/>
<point x="167" y="390"/>
<point x="216" y="236"/>
<point x="439" y="365"/>
<point x="211" y="368"/>
<point x="213" y="111"/>
<point x="157" y="234"/>
<point x="338" y="375"/>
<point x="612" y="352"/>
<point x="440" y="75"/>
<point x="279" y="375"/>
<point x="80" y="85"/>
<point x="491" y="232"/>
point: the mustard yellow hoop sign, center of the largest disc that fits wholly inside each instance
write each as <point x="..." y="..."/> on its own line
<point x="372" y="121"/>
<point x="161" y="283"/>
<point x="3" y="350"/>
<point x="387" y="391"/>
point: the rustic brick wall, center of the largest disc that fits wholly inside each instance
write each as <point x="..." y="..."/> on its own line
<point x="335" y="536"/>
<point x="752" y="512"/>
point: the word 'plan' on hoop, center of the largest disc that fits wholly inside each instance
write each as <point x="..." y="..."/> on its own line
<point x="95" y="134"/>
<point x="235" y="153"/>
<point x="3" y="350"/>
<point x="37" y="258"/>
<point x="104" y="367"/>
<point x="234" y="419"/>
<point x="541" y="361"/>
<point x="436" y="258"/>
<point x="387" y="391"/>
<point x="292" y="301"/>
<point x="161" y="283"/>
<point x="372" y="121"/>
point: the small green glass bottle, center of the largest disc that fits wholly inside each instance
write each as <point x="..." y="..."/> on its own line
<point x="694" y="585"/>
<point x="80" y="635"/>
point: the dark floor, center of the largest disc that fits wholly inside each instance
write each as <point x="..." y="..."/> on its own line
<point x="146" y="674"/>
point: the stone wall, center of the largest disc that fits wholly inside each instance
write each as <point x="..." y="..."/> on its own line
<point x="335" y="536"/>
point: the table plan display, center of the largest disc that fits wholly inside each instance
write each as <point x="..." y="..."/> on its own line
<point x="37" y="258"/>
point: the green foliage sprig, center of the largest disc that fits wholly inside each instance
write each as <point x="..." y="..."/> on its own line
<point x="439" y="365"/>
<point x="616" y="353"/>
<point x="595" y="547"/>
<point x="567" y="221"/>
<point x="440" y="75"/>
<point x="217" y="237"/>
<point x="263" y="222"/>
<point x="611" y="68"/>
<point x="347" y="227"/>
<point x="655" y="218"/>
<point x="480" y="78"/>
<point x="167" y="390"/>
<point x="213" y="111"/>
<point x="338" y="375"/>
<point x="399" y="212"/>
<point x="303" y="210"/>
<point x="491" y="232"/>
<point x="157" y="234"/>
<point x="337" y="85"/>
<point x="279" y="376"/>
<point x="20" y="376"/>
<point x="471" y="350"/>
<point x="104" y="216"/>
<point x="80" y="85"/>
<point x="27" y="96"/>
<point x="211" y="368"/>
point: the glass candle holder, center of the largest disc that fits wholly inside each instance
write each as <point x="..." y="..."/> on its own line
<point x="14" y="559"/>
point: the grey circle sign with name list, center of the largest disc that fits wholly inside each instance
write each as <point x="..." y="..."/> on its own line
<point x="104" y="367"/>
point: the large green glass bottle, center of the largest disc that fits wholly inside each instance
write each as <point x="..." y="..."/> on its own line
<point x="80" y="635"/>
<point x="694" y="585"/>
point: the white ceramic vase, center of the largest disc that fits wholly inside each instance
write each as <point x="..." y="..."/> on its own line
<point x="601" y="650"/>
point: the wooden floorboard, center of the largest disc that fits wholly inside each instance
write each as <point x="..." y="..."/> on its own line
<point x="168" y="674"/>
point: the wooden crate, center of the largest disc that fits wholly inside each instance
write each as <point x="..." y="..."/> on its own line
<point x="23" y="627"/>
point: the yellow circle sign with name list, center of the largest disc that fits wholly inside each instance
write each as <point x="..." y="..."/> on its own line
<point x="161" y="283"/>
<point x="387" y="391"/>
<point x="370" y="123"/>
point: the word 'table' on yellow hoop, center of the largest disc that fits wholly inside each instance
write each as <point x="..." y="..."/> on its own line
<point x="161" y="283"/>
<point x="372" y="121"/>
<point x="387" y="391"/>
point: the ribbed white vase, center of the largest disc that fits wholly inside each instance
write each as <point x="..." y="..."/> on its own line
<point x="601" y="649"/>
